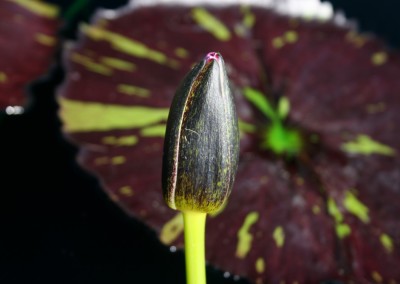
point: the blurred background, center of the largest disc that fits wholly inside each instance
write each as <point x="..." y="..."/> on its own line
<point x="57" y="225"/>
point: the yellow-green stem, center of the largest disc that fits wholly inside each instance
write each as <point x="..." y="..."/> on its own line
<point x="194" y="226"/>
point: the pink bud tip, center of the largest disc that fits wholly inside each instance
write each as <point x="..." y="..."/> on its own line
<point x="212" y="56"/>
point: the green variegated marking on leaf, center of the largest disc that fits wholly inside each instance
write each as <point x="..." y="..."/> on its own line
<point x="91" y="65"/>
<point x="279" y="236"/>
<point x="283" y="107"/>
<point x="3" y="77"/>
<point x="377" y="277"/>
<point x="260" y="101"/>
<point x="118" y="64"/>
<point x="118" y="160"/>
<point x="379" y="58"/>
<point x="365" y="145"/>
<point x="291" y="36"/>
<point x="387" y="242"/>
<point x="128" y="140"/>
<point x="45" y="39"/>
<point x="246" y="127"/>
<point x="244" y="237"/>
<point x="260" y="265"/>
<point x="316" y="209"/>
<point x="126" y="191"/>
<point x="79" y="116"/>
<point x="356" y="207"/>
<point x="342" y="229"/>
<point x="357" y="39"/>
<point x="240" y="30"/>
<point x="211" y="24"/>
<point x="153" y="131"/>
<point x="172" y="229"/>
<point x="249" y="18"/>
<point x="133" y="90"/>
<point x="101" y="161"/>
<point x="127" y="45"/>
<point x="278" y="42"/>
<point x="38" y="8"/>
<point x="181" y="52"/>
<point x="334" y="210"/>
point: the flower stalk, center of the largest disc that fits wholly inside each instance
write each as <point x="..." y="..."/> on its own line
<point x="194" y="230"/>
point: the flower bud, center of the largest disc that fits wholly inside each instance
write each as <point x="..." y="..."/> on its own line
<point x="201" y="147"/>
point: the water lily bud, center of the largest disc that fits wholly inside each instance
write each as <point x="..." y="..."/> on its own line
<point x="201" y="147"/>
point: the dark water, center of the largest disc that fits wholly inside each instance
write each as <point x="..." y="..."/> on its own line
<point x="379" y="17"/>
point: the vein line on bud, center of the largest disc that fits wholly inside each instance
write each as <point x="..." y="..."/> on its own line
<point x="184" y="116"/>
<point x="224" y="94"/>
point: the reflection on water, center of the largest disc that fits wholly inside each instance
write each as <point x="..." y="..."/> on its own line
<point x="13" y="110"/>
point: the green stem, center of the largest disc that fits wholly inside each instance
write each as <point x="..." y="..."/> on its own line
<point x="194" y="226"/>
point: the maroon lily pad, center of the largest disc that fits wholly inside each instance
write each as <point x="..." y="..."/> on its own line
<point x="328" y="212"/>
<point x="27" y="45"/>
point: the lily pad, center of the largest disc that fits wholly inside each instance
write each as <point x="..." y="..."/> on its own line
<point x="28" y="37"/>
<point x="324" y="209"/>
